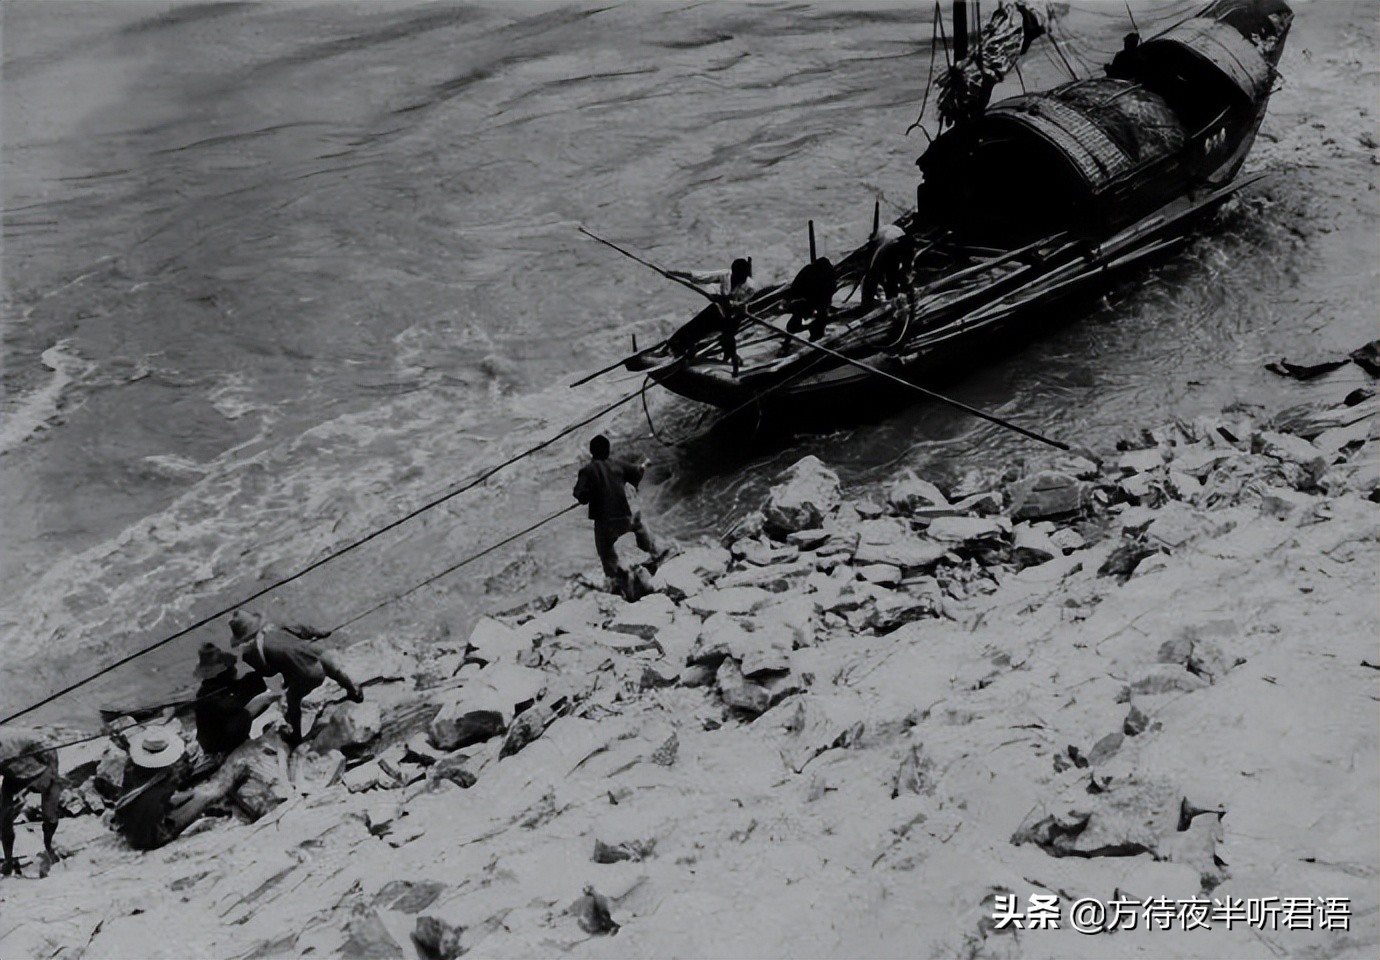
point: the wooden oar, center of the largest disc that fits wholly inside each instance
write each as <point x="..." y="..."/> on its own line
<point x="665" y="273"/>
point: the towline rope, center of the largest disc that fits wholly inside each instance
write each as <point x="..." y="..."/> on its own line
<point x="334" y="555"/>
<point x="181" y="705"/>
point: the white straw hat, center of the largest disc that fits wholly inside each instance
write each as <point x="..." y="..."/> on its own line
<point x="156" y="748"/>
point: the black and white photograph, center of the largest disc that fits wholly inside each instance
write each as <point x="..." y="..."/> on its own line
<point x="689" y="479"/>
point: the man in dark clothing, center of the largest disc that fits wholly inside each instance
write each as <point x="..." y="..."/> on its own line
<point x="731" y="291"/>
<point x="272" y="650"/>
<point x="155" y="808"/>
<point x="601" y="484"/>
<point x="811" y="296"/>
<point x="226" y="704"/>
<point x="28" y="761"/>
<point x="888" y="272"/>
<point x="1124" y="64"/>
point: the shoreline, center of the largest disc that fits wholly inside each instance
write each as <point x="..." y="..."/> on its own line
<point x="1152" y="676"/>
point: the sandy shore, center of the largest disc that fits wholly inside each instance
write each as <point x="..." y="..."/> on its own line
<point x="853" y="729"/>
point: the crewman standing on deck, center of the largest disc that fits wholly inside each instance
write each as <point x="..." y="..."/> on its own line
<point x="602" y="484"/>
<point x="731" y="290"/>
<point x="890" y="264"/>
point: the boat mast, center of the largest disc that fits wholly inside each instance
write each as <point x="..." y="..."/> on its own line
<point x="960" y="30"/>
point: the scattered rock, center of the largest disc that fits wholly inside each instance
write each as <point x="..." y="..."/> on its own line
<point x="369" y="775"/>
<point x="1047" y="494"/>
<point x="456" y="726"/>
<point x="1067" y="539"/>
<point x="737" y="692"/>
<point x="810" y="491"/>
<point x="665" y="755"/>
<point x="1289" y="448"/>
<point x="349" y="727"/>
<point x="915" y="774"/>
<point x="636" y="850"/>
<point x="911" y="492"/>
<point x="646" y="618"/>
<point x="808" y="539"/>
<point x="891" y="541"/>
<point x="438" y="940"/>
<point x="814" y="725"/>
<point x="1283" y="503"/>
<point x="728" y="600"/>
<point x="883" y="574"/>
<point x="1031" y="546"/>
<point x="984" y="504"/>
<point x="1079" y="467"/>
<point x="1128" y="818"/>
<point x="454" y="769"/>
<point x="894" y="609"/>
<point x="697" y="675"/>
<point x="408" y="896"/>
<point x="594" y="913"/>
<point x="528" y="726"/>
<point x="1368" y="358"/>
<point x="491" y="640"/>
<point x="1106" y="748"/>
<point x="1303" y="371"/>
<point x="966" y="529"/>
<point x="1135" y="723"/>
<point x="367" y="937"/>
<point x="1178" y="524"/>
<point x="1183" y="486"/>
<point x="1125" y="557"/>
<point x="760" y="553"/>
<point x="1166" y="678"/>
<point x="1140" y="461"/>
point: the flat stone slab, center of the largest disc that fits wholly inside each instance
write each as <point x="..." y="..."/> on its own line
<point x="728" y="600"/>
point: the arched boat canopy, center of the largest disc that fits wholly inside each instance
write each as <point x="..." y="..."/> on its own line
<point x="1046" y="160"/>
<point x="1104" y="129"/>
<point x="1218" y="45"/>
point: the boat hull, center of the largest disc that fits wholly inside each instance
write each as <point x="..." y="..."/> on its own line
<point x="1139" y="161"/>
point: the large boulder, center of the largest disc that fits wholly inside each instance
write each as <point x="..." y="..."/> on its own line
<point x="891" y="541"/>
<point x="964" y="529"/>
<point x="457" y="726"/>
<point x="895" y="608"/>
<point x="349" y="727"/>
<point x="1290" y="449"/>
<point x="491" y="640"/>
<point x="687" y="573"/>
<point x="728" y="600"/>
<point x="646" y="618"/>
<point x="911" y="492"/>
<point x="758" y="645"/>
<point x="810" y="491"/>
<point x="1033" y="546"/>
<point x="1047" y="494"/>
<point x="737" y="692"/>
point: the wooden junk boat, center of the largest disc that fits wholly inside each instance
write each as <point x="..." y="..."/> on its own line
<point x="1022" y="203"/>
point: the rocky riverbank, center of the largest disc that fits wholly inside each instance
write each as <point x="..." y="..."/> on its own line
<point x="849" y="729"/>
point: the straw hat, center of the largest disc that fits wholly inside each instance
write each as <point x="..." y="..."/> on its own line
<point x="156" y="748"/>
<point x="213" y="661"/>
<point x="244" y="624"/>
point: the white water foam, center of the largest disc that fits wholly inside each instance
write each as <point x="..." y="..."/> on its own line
<point x="35" y="412"/>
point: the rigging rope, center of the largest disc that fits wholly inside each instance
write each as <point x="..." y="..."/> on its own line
<point x="334" y="555"/>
